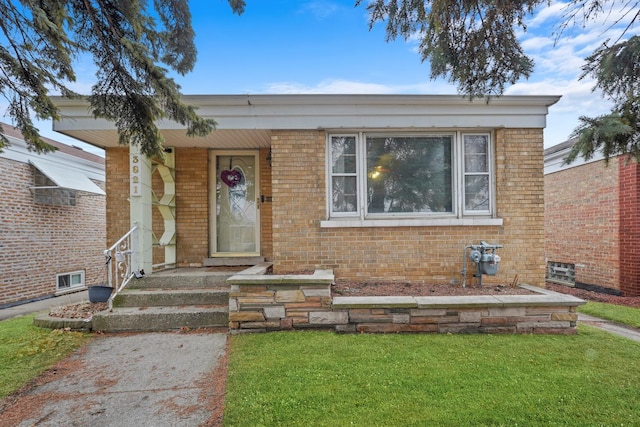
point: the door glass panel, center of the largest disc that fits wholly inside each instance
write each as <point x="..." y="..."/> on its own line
<point x="236" y="211"/>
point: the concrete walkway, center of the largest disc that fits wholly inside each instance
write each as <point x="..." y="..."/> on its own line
<point x="151" y="379"/>
<point x="614" y="328"/>
<point x="44" y="305"/>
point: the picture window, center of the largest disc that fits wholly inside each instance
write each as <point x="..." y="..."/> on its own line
<point x="377" y="176"/>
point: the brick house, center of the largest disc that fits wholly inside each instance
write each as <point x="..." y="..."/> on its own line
<point x="374" y="187"/>
<point x="592" y="222"/>
<point x="52" y="220"/>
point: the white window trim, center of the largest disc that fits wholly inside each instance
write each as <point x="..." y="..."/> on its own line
<point x="71" y="288"/>
<point x="459" y="216"/>
<point x="330" y="175"/>
<point x="427" y="222"/>
<point x="491" y="174"/>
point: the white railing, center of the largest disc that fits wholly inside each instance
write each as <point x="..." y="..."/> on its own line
<point x="122" y="263"/>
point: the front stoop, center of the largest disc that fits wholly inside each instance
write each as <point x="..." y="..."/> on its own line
<point x="168" y="302"/>
<point x="156" y="319"/>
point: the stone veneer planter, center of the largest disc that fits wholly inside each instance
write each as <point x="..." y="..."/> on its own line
<point x="260" y="303"/>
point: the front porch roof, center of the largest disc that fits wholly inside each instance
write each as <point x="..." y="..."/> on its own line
<point x="246" y="121"/>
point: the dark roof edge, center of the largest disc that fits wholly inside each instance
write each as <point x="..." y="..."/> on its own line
<point x="14" y="132"/>
<point x="560" y="147"/>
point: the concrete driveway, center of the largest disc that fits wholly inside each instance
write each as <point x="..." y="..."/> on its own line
<point x="151" y="379"/>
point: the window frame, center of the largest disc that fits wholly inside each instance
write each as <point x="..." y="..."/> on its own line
<point x="490" y="174"/>
<point x="331" y="174"/>
<point x="400" y="215"/>
<point x="71" y="286"/>
<point x="459" y="215"/>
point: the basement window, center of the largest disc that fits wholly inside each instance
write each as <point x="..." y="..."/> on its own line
<point x="71" y="280"/>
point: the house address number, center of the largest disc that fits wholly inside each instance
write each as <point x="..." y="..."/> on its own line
<point x="134" y="164"/>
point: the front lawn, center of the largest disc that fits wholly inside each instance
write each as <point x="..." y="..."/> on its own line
<point x="26" y="351"/>
<point x="618" y="313"/>
<point x="326" y="379"/>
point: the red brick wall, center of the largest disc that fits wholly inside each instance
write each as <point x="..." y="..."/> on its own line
<point x="520" y="203"/>
<point x="416" y="254"/>
<point x="629" y="198"/>
<point x="38" y="241"/>
<point x="117" y="182"/>
<point x="266" y="214"/>
<point x="582" y="221"/>
<point x="192" y="206"/>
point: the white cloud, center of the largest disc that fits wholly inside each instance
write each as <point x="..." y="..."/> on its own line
<point x="321" y="9"/>
<point x="578" y="99"/>
<point x="577" y="95"/>
<point x="552" y="13"/>
<point x="536" y="43"/>
<point x="341" y="86"/>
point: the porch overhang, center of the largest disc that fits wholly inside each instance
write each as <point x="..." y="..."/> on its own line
<point x="246" y="121"/>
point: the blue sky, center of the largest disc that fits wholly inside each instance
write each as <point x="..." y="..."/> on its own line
<point x="325" y="46"/>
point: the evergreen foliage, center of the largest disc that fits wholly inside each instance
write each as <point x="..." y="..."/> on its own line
<point x="617" y="71"/>
<point x="474" y="44"/>
<point x="134" y="45"/>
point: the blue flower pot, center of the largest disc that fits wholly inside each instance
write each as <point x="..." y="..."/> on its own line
<point x="99" y="293"/>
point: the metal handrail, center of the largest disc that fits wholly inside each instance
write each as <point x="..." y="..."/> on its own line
<point x="120" y="272"/>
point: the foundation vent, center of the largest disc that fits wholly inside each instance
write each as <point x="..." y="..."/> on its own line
<point x="561" y="272"/>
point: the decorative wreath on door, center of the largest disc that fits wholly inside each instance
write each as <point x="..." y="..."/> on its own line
<point x="231" y="177"/>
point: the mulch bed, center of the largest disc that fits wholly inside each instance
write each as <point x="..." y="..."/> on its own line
<point x="595" y="296"/>
<point x="344" y="288"/>
<point x="407" y="289"/>
<point x="83" y="310"/>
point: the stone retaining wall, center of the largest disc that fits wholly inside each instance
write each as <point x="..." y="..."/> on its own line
<point x="260" y="303"/>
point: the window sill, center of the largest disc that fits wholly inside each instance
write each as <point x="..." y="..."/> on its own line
<point x="70" y="290"/>
<point x="422" y="222"/>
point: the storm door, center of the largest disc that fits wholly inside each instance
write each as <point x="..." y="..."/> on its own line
<point x="234" y="195"/>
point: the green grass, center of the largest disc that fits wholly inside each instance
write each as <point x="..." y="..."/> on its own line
<point x="26" y="351"/>
<point x="325" y="379"/>
<point x="617" y="313"/>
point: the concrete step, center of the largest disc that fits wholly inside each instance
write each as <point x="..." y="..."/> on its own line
<point x="146" y="319"/>
<point x="232" y="261"/>
<point x="158" y="297"/>
<point x="190" y="281"/>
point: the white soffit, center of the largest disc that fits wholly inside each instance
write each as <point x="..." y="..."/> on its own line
<point x="65" y="177"/>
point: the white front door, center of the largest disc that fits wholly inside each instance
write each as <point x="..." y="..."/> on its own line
<point x="235" y="204"/>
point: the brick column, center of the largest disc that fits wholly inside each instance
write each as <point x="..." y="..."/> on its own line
<point x="629" y="227"/>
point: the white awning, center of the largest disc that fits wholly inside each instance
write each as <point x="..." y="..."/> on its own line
<point x="65" y="177"/>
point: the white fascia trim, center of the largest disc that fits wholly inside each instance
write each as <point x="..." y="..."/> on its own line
<point x="339" y="112"/>
<point x="555" y="162"/>
<point x="422" y="222"/>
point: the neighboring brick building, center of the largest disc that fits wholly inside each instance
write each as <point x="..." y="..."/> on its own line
<point x="375" y="187"/>
<point x="52" y="220"/>
<point x="592" y="222"/>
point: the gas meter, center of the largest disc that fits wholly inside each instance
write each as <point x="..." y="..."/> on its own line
<point x="485" y="258"/>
